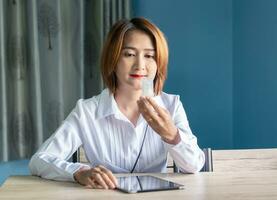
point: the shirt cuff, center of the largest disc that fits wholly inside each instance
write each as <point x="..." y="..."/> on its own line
<point x="74" y="168"/>
<point x="176" y="140"/>
<point x="183" y="139"/>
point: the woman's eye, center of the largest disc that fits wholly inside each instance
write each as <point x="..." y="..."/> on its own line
<point x="128" y="54"/>
<point x="149" y="56"/>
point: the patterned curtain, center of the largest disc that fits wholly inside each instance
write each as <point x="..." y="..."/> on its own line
<point x="49" y="58"/>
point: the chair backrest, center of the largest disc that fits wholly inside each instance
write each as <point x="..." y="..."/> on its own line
<point x="171" y="167"/>
<point x="245" y="160"/>
<point x="208" y="166"/>
<point x="80" y="156"/>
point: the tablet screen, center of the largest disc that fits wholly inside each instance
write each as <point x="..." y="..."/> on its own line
<point x="145" y="183"/>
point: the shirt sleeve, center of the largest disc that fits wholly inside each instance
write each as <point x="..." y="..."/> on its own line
<point x="186" y="154"/>
<point x="50" y="161"/>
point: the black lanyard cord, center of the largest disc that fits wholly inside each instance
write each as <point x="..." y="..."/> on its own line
<point x="140" y="149"/>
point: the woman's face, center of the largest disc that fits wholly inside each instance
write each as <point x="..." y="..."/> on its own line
<point x="136" y="61"/>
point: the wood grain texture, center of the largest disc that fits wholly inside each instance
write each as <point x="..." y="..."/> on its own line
<point x="258" y="185"/>
<point x="244" y="160"/>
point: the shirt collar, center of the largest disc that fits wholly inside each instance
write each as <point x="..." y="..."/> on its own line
<point x="106" y="105"/>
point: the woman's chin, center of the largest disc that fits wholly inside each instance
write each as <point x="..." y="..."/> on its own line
<point x="131" y="86"/>
<point x="136" y="86"/>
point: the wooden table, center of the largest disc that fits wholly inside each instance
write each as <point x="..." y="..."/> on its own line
<point x="202" y="186"/>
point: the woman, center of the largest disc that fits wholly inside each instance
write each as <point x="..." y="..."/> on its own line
<point x="121" y="130"/>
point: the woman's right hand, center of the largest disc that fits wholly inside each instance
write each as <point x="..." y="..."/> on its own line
<point x="98" y="177"/>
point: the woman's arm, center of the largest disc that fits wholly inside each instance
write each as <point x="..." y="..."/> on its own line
<point x="51" y="160"/>
<point x="175" y="131"/>
<point x="186" y="154"/>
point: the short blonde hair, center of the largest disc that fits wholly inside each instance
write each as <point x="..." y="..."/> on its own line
<point x="113" y="46"/>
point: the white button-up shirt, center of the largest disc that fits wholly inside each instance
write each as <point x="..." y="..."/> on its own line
<point x="111" y="140"/>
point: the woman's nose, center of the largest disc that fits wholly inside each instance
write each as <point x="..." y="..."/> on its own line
<point x="140" y="63"/>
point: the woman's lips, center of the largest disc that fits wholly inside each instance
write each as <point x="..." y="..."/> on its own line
<point x="137" y="76"/>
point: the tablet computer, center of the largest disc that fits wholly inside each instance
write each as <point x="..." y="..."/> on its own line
<point x="145" y="183"/>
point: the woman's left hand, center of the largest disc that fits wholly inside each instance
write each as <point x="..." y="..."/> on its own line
<point x="159" y="119"/>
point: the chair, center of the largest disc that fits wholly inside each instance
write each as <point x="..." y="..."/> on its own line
<point x="79" y="156"/>
<point x="208" y="166"/>
<point x="245" y="160"/>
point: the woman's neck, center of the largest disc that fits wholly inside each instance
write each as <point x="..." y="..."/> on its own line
<point x="127" y="104"/>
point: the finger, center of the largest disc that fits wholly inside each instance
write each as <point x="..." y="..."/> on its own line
<point x="145" y="105"/>
<point x="142" y="107"/>
<point x="149" y="116"/>
<point x="148" y="112"/>
<point x="110" y="175"/>
<point x="94" y="184"/>
<point x="99" y="187"/>
<point x="152" y="103"/>
<point x="96" y="169"/>
<point x="90" y="183"/>
<point x="161" y="111"/>
<point x="99" y="180"/>
<point x="108" y="181"/>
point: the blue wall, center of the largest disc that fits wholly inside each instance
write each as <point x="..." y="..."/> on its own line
<point x="255" y="73"/>
<point x="222" y="57"/>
